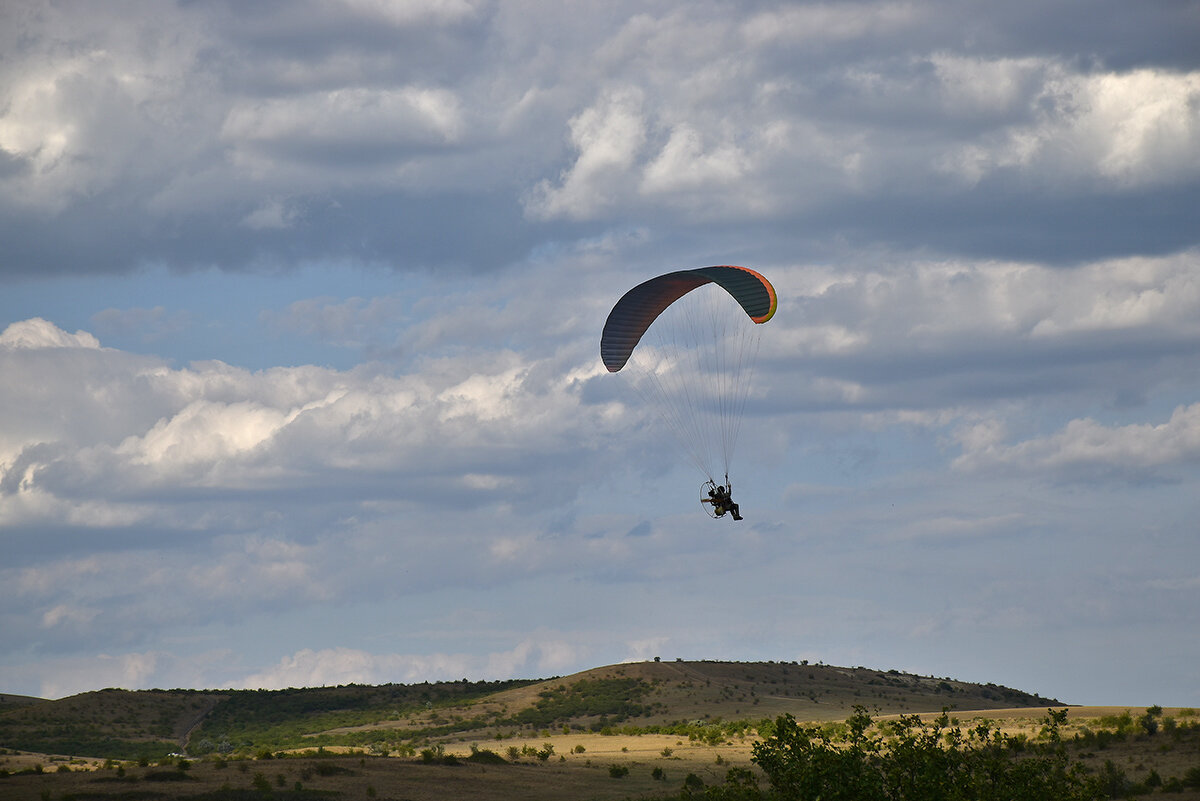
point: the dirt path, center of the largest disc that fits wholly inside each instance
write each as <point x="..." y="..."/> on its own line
<point x="186" y="734"/>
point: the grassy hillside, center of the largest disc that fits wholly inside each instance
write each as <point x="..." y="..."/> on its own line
<point x="8" y="701"/>
<point x="631" y="731"/>
<point x="654" y="696"/>
<point x="107" y="723"/>
<point x="251" y="721"/>
<point x="638" y="697"/>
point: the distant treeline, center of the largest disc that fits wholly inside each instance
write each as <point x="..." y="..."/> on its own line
<point x="285" y="718"/>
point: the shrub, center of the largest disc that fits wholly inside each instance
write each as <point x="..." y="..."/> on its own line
<point x="330" y="769"/>
<point x="920" y="761"/>
<point x="1149" y="721"/>
<point x="618" y="771"/>
<point x="1113" y="780"/>
<point x="484" y="756"/>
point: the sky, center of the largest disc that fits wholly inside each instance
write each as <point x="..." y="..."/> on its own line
<point x="300" y="306"/>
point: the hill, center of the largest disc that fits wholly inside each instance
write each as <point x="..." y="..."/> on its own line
<point x="112" y="723"/>
<point x="647" y="730"/>
<point x="654" y="694"/>
<point x="123" y="724"/>
<point x="9" y="701"/>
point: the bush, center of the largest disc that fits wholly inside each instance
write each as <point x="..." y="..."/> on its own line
<point x="918" y="761"/>
<point x="484" y="756"/>
<point x="167" y="776"/>
<point x="1113" y="781"/>
<point x="618" y="771"/>
<point x="330" y="769"/>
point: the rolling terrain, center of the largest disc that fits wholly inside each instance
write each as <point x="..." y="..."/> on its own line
<point x="573" y="736"/>
<point x="124" y="724"/>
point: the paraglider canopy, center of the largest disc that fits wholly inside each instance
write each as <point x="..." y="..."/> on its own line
<point x="642" y="305"/>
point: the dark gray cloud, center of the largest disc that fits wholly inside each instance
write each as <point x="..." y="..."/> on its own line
<point x="468" y="134"/>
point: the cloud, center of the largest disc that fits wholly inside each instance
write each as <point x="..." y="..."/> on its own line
<point x="684" y="164"/>
<point x="608" y="137"/>
<point x="946" y="335"/>
<point x="333" y="666"/>
<point x="824" y="22"/>
<point x="353" y="125"/>
<point x="535" y="657"/>
<point x="441" y="11"/>
<point x="68" y="614"/>
<point x="96" y="105"/>
<point x="125" y="670"/>
<point x="103" y="446"/>
<point x="274" y="213"/>
<point x="1123" y="130"/>
<point x="64" y="676"/>
<point x="39" y="333"/>
<point x="370" y="132"/>
<point x="1085" y="448"/>
<point x="217" y="427"/>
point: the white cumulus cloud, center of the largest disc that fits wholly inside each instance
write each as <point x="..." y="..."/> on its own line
<point x="39" y="333"/>
<point x="1085" y="447"/>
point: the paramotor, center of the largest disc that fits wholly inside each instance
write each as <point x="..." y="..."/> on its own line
<point x="690" y="340"/>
